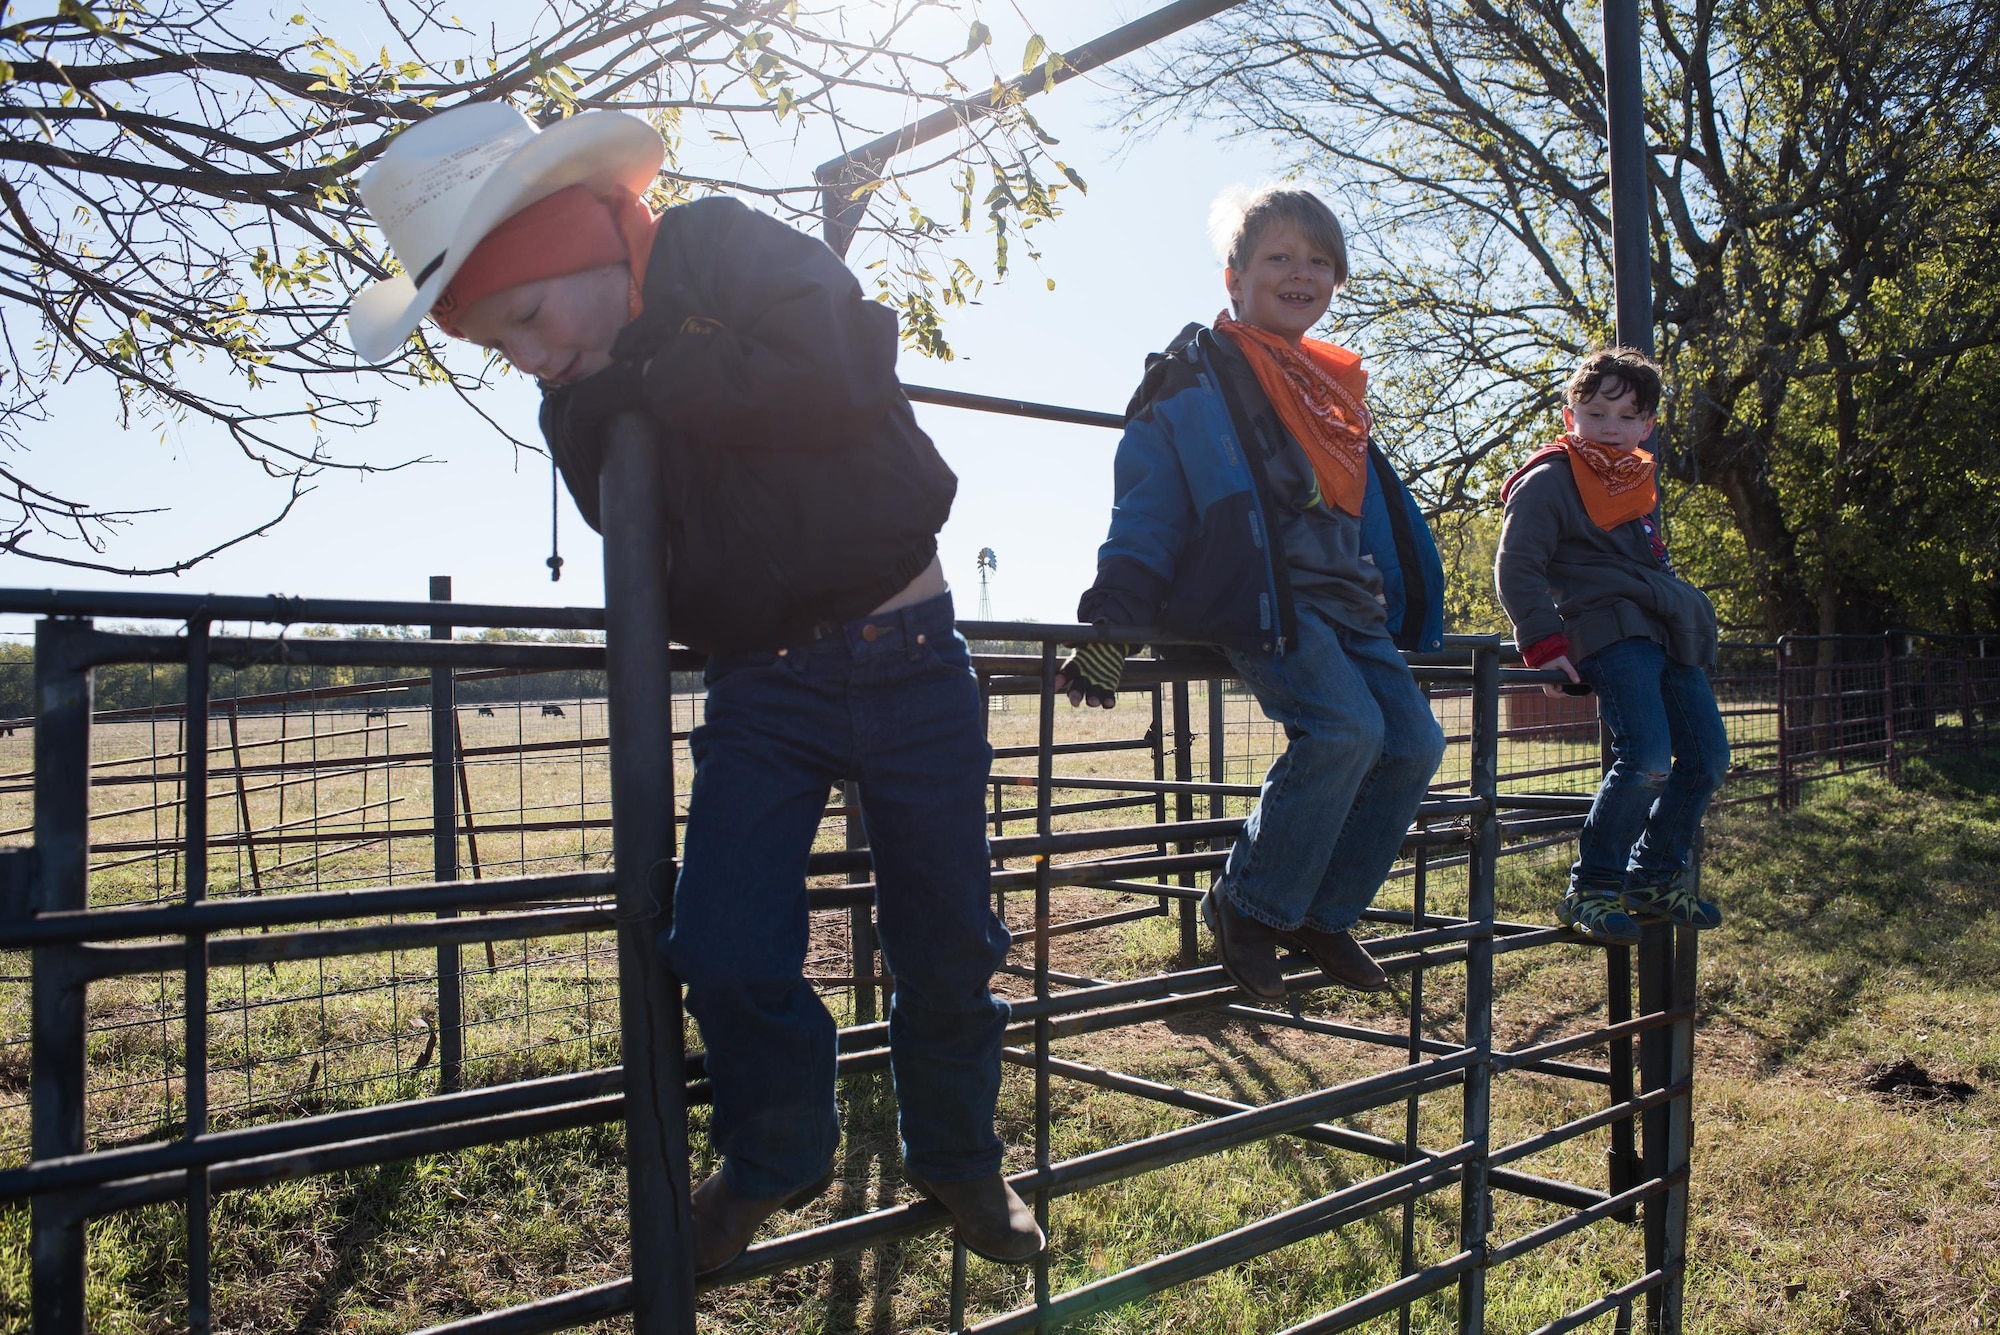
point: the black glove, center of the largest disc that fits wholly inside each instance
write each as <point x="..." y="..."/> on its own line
<point x="1097" y="669"/>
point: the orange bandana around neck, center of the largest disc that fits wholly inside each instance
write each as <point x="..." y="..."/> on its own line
<point x="568" y="232"/>
<point x="1617" y="485"/>
<point x="1316" y="389"/>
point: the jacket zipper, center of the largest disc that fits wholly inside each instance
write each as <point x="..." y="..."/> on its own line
<point x="1280" y="590"/>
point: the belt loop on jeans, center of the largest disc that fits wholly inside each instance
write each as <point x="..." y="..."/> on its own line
<point x="912" y="648"/>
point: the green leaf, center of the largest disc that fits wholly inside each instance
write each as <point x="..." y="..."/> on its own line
<point x="1074" y="179"/>
<point x="977" y="36"/>
<point x="784" y="101"/>
<point x="1036" y="46"/>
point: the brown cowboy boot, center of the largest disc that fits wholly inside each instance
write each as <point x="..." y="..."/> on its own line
<point x="992" y="1220"/>
<point x="1339" y="956"/>
<point x="1247" y="950"/>
<point x="723" y="1222"/>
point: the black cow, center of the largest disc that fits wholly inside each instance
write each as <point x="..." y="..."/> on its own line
<point x="553" y="711"/>
<point x="486" y="711"/>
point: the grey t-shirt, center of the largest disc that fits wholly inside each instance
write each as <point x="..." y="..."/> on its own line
<point x="1322" y="541"/>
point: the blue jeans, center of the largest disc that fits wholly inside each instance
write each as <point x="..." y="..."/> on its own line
<point x="1336" y="805"/>
<point x="1670" y="755"/>
<point x="890" y="702"/>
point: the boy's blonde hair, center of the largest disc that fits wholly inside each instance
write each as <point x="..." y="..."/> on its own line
<point x="1239" y="216"/>
<point x="1635" y="373"/>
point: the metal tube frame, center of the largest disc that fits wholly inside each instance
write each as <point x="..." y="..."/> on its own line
<point x="73" y="944"/>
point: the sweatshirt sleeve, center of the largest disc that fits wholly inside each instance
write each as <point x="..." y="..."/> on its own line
<point x="1528" y="535"/>
<point x="787" y="353"/>
<point x="1151" y="519"/>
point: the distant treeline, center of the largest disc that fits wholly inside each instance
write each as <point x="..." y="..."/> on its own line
<point x="144" y="686"/>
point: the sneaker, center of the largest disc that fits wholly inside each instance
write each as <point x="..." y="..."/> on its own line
<point x="1673" y="902"/>
<point x="1598" y="917"/>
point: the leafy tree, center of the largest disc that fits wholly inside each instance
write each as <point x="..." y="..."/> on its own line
<point x="177" y="216"/>
<point x="1825" y="234"/>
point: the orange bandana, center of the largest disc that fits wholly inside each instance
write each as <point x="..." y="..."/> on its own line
<point x="1316" y="389"/>
<point x="1617" y="485"/>
<point x="567" y="232"/>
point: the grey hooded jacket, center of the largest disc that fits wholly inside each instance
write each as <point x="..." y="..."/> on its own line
<point x="1559" y="573"/>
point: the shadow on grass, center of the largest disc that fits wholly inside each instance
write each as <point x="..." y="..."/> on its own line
<point x="1865" y="888"/>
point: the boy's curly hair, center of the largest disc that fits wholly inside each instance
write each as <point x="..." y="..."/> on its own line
<point x="1633" y="371"/>
<point x="1238" y="218"/>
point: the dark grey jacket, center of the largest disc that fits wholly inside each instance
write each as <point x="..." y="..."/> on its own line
<point x="1559" y="573"/>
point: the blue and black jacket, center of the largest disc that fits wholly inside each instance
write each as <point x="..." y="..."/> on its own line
<point x="1192" y="546"/>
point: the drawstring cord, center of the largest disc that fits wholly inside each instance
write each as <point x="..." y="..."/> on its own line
<point x="555" y="561"/>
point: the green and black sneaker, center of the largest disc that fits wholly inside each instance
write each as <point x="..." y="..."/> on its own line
<point x="1674" y="902"/>
<point x="1600" y="917"/>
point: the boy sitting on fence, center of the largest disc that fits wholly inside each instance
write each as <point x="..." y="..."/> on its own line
<point x="1254" y="510"/>
<point x="1586" y="580"/>
<point x="804" y="504"/>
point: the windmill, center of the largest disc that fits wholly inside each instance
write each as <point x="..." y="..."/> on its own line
<point x="988" y="563"/>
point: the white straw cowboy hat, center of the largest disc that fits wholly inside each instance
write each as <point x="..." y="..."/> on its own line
<point x="447" y="181"/>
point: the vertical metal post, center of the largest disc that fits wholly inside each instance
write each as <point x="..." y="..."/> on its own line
<point x="444" y="849"/>
<point x="1680" y="1133"/>
<point x="1894" y="765"/>
<point x="1475" y="1204"/>
<point x="1622" y="1159"/>
<point x="1184" y="811"/>
<point x="1785" y="726"/>
<point x="638" y="665"/>
<point x="1419" y="908"/>
<point x="1218" y="755"/>
<point x="62" y="870"/>
<point x="1218" y="805"/>
<point x="194" y="1057"/>
<point x="1625" y="145"/>
<point x="1044" y="826"/>
<point x="1656" y="974"/>
<point x="861" y="917"/>
<point x="1964" y="696"/>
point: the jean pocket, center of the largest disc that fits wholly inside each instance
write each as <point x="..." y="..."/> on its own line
<point x="949" y="649"/>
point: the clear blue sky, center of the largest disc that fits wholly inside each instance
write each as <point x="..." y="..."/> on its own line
<point x="1131" y="261"/>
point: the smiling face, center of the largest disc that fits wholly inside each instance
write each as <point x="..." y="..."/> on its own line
<point x="1611" y="416"/>
<point x="555" y="329"/>
<point x="1286" y="283"/>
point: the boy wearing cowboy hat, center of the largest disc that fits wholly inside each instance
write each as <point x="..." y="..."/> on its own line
<point x="803" y="505"/>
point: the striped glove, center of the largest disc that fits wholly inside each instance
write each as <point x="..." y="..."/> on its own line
<point x="1096" y="670"/>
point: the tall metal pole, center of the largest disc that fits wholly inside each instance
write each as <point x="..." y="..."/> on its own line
<point x="194" y="1059"/>
<point x="639" y="666"/>
<point x="1625" y="142"/>
<point x="57" y="1054"/>
<point x="444" y="848"/>
<point x="1475" y="1199"/>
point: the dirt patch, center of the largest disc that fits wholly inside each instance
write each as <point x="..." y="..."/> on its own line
<point x="1904" y="1079"/>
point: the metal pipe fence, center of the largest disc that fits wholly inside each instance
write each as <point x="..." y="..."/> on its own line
<point x="359" y="791"/>
<point x="361" y="946"/>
